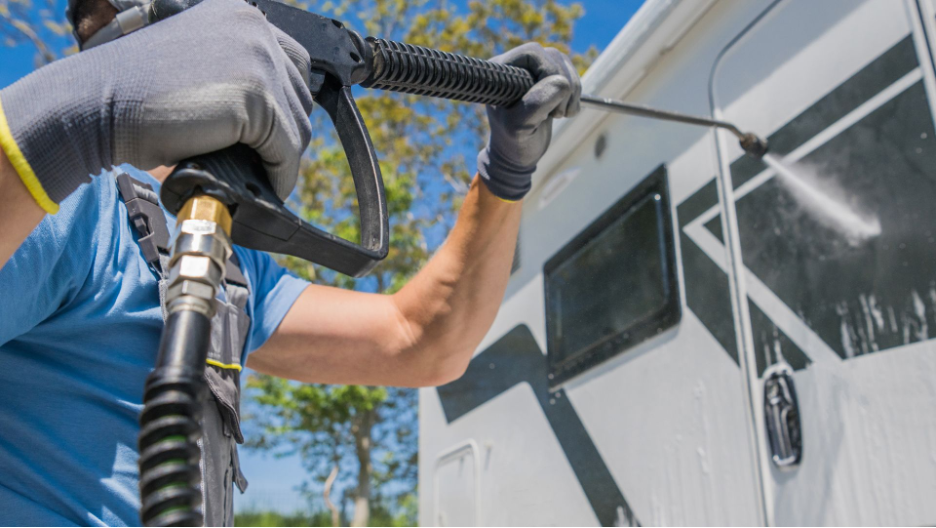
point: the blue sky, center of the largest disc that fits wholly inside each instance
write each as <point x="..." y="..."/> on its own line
<point x="272" y="481"/>
<point x="602" y="20"/>
<point x="15" y="63"/>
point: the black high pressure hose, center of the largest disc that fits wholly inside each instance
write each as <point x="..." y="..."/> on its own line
<point x="169" y="424"/>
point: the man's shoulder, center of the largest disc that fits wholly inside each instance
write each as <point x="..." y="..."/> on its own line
<point x="77" y="227"/>
<point x="65" y="260"/>
<point x="89" y="231"/>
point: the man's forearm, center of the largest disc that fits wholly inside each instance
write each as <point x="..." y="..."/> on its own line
<point x="450" y="305"/>
<point x="19" y="213"/>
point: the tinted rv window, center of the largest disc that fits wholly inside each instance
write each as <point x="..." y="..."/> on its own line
<point x="614" y="285"/>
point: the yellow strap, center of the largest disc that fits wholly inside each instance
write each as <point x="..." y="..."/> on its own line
<point x="231" y="366"/>
<point x="21" y="166"/>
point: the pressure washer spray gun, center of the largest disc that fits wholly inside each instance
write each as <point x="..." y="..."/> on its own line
<point x="224" y="198"/>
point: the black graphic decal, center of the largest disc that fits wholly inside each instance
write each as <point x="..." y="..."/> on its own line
<point x="771" y="345"/>
<point x="514" y="359"/>
<point x="707" y="293"/>
<point x="714" y="226"/>
<point x="700" y="202"/>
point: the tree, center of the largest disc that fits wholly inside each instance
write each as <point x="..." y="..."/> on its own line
<point x="364" y="438"/>
<point x="42" y="26"/>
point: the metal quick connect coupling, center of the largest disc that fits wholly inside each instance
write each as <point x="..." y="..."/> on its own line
<point x="201" y="248"/>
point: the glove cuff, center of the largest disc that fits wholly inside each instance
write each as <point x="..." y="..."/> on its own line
<point x="50" y="133"/>
<point x="507" y="183"/>
<point x="19" y="163"/>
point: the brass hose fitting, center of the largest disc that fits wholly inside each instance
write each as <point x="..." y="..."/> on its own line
<point x="199" y="252"/>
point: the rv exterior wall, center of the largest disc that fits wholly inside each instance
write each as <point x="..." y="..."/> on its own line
<point x="670" y="428"/>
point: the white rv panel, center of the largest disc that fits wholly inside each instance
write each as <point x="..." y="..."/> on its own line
<point x="523" y="481"/>
<point x="456" y="486"/>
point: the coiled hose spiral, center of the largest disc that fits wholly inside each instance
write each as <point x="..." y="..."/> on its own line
<point x="169" y="425"/>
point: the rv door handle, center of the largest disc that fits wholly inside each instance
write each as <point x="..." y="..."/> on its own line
<point x="781" y="412"/>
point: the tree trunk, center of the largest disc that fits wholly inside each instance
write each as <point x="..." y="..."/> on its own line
<point x="335" y="514"/>
<point x="362" y="445"/>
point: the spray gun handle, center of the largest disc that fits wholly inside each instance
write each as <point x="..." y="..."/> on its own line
<point x="340" y="59"/>
<point x="236" y="176"/>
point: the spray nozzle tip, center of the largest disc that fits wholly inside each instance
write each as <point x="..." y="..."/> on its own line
<point x="755" y="146"/>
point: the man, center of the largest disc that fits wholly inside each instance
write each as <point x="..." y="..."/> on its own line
<point x="80" y="315"/>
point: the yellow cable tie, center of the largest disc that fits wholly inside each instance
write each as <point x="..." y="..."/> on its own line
<point x="226" y="366"/>
<point x="22" y="168"/>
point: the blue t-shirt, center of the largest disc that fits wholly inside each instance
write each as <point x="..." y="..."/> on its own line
<point x="80" y="324"/>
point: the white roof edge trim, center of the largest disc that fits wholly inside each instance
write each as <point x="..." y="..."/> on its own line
<point x="615" y="71"/>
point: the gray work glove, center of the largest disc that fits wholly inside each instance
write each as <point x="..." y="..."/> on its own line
<point x="521" y="132"/>
<point x="212" y="76"/>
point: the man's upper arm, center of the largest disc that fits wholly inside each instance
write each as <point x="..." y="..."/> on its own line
<point x="273" y="290"/>
<point x="337" y="336"/>
<point x="19" y="212"/>
<point x="44" y="273"/>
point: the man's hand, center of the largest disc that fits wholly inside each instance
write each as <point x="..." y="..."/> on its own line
<point x="520" y="133"/>
<point x="215" y="75"/>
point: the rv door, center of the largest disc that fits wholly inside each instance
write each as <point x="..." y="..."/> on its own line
<point x="836" y="245"/>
